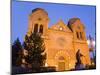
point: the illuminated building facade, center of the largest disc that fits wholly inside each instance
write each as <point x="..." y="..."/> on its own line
<point x="62" y="41"/>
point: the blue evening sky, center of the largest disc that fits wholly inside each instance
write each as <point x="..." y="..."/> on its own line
<point x="21" y="10"/>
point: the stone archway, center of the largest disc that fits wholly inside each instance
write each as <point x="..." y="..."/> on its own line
<point x="62" y="61"/>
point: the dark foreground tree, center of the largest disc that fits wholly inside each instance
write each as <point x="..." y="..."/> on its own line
<point x="35" y="46"/>
<point x="16" y="47"/>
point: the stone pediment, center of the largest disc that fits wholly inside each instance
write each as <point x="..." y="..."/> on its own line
<point x="60" y="26"/>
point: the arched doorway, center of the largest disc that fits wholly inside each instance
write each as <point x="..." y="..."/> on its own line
<point x="61" y="63"/>
<point x="62" y="60"/>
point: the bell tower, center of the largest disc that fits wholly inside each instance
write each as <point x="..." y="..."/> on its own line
<point x="38" y="21"/>
<point x="78" y="29"/>
<point x="79" y="39"/>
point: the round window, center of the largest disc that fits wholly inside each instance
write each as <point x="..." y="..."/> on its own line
<point x="61" y="28"/>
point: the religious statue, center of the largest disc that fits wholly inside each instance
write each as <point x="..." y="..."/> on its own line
<point x="78" y="57"/>
<point x="79" y="64"/>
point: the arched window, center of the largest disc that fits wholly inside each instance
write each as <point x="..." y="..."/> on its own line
<point x="81" y="35"/>
<point x="41" y="29"/>
<point x="77" y="35"/>
<point x="35" y="28"/>
<point x="61" y="28"/>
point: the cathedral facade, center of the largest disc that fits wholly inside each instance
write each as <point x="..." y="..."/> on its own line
<point x="62" y="41"/>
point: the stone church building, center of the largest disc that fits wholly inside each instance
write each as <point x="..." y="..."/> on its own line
<point x="62" y="41"/>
